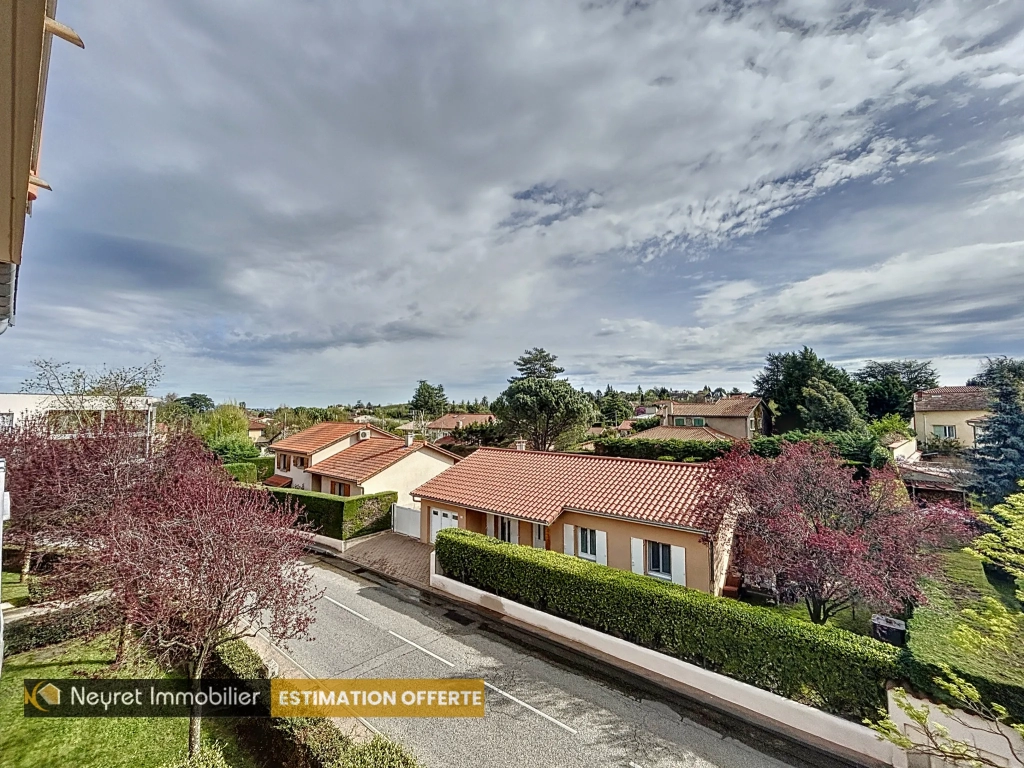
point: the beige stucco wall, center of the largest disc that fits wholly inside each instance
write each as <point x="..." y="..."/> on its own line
<point x="409" y="473"/>
<point x="619" y="532"/>
<point x="925" y="420"/>
<point x="734" y="426"/>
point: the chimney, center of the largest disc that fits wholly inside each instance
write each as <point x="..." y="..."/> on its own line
<point x="458" y="424"/>
<point x="520" y="444"/>
<point x="409" y="436"/>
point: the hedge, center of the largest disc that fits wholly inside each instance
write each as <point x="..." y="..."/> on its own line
<point x="823" y="666"/>
<point x="343" y="517"/>
<point x="242" y="471"/>
<point x="57" y="626"/>
<point x="264" y="466"/>
<point x="301" y="742"/>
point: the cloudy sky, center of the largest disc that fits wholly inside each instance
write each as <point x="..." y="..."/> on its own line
<point x="315" y="202"/>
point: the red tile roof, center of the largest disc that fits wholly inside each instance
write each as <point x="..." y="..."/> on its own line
<point x="321" y="435"/>
<point x="538" y="486"/>
<point x="451" y="420"/>
<point x="366" y="458"/>
<point x="727" y="406"/>
<point x="254" y="425"/>
<point x="681" y="433"/>
<point x="625" y="426"/>
<point x="278" y="481"/>
<point x="952" y="399"/>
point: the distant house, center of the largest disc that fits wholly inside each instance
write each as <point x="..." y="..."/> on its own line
<point x="952" y="413"/>
<point x="625" y="428"/>
<point x="256" y="431"/>
<point x="739" y="417"/>
<point x="17" y="407"/>
<point x="706" y="434"/>
<point x="448" y="423"/>
<point x="631" y="514"/>
<point x="350" y="459"/>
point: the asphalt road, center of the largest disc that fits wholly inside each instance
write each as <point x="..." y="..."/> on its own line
<point x="539" y="714"/>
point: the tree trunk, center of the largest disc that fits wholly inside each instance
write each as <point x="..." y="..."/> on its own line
<point x="122" y="637"/>
<point x="196" y="717"/>
<point x="816" y="608"/>
<point x="26" y="561"/>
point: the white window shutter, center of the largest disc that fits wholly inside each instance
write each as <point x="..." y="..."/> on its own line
<point x="679" y="565"/>
<point x="490" y="525"/>
<point x="569" y="540"/>
<point x="636" y="555"/>
<point x="602" y="548"/>
<point x="513" y="530"/>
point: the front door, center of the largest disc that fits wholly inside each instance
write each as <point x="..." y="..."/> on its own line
<point x="441" y="518"/>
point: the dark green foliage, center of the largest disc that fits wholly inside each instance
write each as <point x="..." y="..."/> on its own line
<point x="826" y="409"/>
<point x="536" y="363"/>
<point x="429" y="400"/>
<point x="647" y="422"/>
<point x="889" y="386"/>
<point x="342" y="517"/>
<point x="614" y="407"/>
<point x="860" y="448"/>
<point x="196" y="402"/>
<point x="820" y="665"/>
<point x="998" y="368"/>
<point x="242" y="471"/>
<point x="998" y="456"/>
<point x="786" y="374"/>
<point x="234" y="448"/>
<point x="57" y="626"/>
<point x="264" y="466"/>
<point x="542" y="410"/>
<point x="492" y="433"/>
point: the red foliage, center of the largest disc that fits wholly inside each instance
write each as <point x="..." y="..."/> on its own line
<point x="810" y="531"/>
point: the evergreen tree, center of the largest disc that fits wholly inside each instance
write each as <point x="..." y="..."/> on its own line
<point x="826" y="409"/>
<point x="615" y="408"/>
<point x="889" y="386"/>
<point x="429" y="400"/>
<point x="536" y="363"/>
<point x="998" y="456"/>
<point x="542" y="410"/>
<point x="995" y="369"/>
<point x="1004" y="543"/>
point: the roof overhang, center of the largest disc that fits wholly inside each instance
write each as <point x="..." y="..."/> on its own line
<point x="637" y="520"/>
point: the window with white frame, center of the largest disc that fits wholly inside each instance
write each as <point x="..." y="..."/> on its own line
<point x="697" y="422"/>
<point x="505" y="528"/>
<point x="588" y="543"/>
<point x="945" y="430"/>
<point x="539" y="538"/>
<point x="659" y="560"/>
<point x="680" y="421"/>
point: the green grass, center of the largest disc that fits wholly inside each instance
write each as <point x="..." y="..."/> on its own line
<point x="12" y="590"/>
<point x="101" y="742"/>
<point x="856" y="620"/>
<point x="961" y="583"/>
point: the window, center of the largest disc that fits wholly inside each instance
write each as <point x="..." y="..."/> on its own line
<point x="539" y="539"/>
<point x="588" y="543"/>
<point x="6" y="420"/>
<point x="300" y="461"/>
<point x="698" y="422"/>
<point x="680" y="421"/>
<point x="659" y="560"/>
<point x="283" y="462"/>
<point x="505" y="528"/>
<point x="751" y="425"/>
<point x="945" y="430"/>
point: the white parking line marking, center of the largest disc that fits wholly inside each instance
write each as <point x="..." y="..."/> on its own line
<point x="532" y="709"/>
<point x="354" y="613"/>
<point x="420" y="647"/>
<point x="634" y="765"/>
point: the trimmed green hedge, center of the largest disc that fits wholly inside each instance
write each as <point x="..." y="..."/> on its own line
<point x="57" y="626"/>
<point x="264" y="466"/>
<point x="301" y="742"/>
<point x="242" y="471"/>
<point x="343" y="517"/>
<point x="826" y="667"/>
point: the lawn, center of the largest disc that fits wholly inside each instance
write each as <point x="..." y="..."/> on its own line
<point x="100" y="742"/>
<point x="963" y="583"/>
<point x="13" y="591"/>
<point x="856" y="619"/>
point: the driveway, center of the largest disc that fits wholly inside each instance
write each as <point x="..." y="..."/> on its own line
<point x="538" y="712"/>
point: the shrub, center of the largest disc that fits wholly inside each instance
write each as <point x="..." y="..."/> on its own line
<point x="264" y="466"/>
<point x="819" y="665"/>
<point x="234" y="447"/>
<point x="57" y="626"/>
<point x="343" y="517"/>
<point x="242" y="471"/>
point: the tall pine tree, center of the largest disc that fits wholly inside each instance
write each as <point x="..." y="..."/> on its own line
<point x="998" y="458"/>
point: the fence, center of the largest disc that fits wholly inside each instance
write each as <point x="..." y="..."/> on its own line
<point x="405" y="520"/>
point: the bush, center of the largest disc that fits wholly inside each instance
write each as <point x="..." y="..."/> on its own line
<point x="343" y="517"/>
<point x="234" y="447"/>
<point x="57" y="626"/>
<point x="264" y="466"/>
<point x="818" y="665"/>
<point x="242" y="471"/>
<point x="210" y="756"/>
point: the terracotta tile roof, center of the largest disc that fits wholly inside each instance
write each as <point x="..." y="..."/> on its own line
<point x="451" y="420"/>
<point x="278" y="481"/>
<point x="681" y="433"/>
<point x="321" y="435"/>
<point x="625" y="426"/>
<point x="952" y="399"/>
<point x="538" y="486"/>
<point x="365" y="459"/>
<point x="253" y="425"/>
<point x="727" y="406"/>
<point x="596" y="431"/>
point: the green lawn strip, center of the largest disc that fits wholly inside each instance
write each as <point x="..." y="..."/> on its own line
<point x="961" y="583"/>
<point x="102" y="742"/>
<point x="853" y="620"/>
<point x="13" y="590"/>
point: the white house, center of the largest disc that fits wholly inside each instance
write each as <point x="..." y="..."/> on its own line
<point x="16" y="407"/>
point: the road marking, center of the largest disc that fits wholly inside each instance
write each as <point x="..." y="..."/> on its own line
<point x="429" y="653"/>
<point x="354" y="613"/>
<point x="532" y="709"/>
<point x="634" y="765"/>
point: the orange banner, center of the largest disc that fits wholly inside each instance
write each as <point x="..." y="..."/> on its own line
<point x="377" y="698"/>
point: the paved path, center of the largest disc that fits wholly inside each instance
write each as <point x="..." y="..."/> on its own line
<point x="402" y="557"/>
<point x="539" y="714"/>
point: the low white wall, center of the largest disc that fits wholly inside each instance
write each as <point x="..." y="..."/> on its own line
<point x="405" y="520"/>
<point x="819" y="726"/>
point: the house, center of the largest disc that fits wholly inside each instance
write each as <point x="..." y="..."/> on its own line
<point x="625" y="428"/>
<point x="739" y="417"/>
<point x="256" y="431"/>
<point x="631" y="514"/>
<point x="952" y="413"/>
<point x="707" y="434"/>
<point x="63" y="413"/>
<point x="350" y="459"/>
<point x="445" y="425"/>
